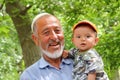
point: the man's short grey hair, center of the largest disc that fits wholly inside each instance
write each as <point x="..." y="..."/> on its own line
<point x="36" y="18"/>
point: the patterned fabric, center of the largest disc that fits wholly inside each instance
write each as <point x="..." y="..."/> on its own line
<point x="87" y="62"/>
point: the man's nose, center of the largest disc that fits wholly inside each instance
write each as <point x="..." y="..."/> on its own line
<point x="53" y="35"/>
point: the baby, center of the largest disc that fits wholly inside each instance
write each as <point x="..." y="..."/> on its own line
<point x="88" y="64"/>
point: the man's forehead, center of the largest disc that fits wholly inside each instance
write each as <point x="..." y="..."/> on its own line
<point x="51" y="27"/>
<point x="47" y="20"/>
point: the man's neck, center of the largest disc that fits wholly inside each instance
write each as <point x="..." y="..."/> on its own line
<point x="54" y="62"/>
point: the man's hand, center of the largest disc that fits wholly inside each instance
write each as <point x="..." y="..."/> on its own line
<point x="65" y="54"/>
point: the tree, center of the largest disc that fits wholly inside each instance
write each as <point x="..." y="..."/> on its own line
<point x="21" y="20"/>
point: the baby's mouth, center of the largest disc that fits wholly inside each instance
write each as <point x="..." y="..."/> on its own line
<point x="82" y="44"/>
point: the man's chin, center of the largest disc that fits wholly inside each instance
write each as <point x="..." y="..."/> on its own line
<point x="53" y="55"/>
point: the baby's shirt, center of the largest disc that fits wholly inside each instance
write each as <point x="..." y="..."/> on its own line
<point x="87" y="62"/>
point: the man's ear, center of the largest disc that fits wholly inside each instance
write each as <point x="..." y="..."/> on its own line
<point x="35" y="39"/>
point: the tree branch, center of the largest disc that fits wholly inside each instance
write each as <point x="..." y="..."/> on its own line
<point x="1" y="6"/>
<point x="25" y="9"/>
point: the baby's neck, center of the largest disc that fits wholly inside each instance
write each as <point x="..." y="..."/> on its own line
<point x="85" y="50"/>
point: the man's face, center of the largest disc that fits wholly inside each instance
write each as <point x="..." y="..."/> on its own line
<point x="50" y="36"/>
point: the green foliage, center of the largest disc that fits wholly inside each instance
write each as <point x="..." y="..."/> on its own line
<point x="106" y="17"/>
<point x="10" y="51"/>
<point x="8" y="67"/>
<point x="109" y="49"/>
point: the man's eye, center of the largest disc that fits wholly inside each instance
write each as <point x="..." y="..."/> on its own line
<point x="57" y="31"/>
<point x="46" y="33"/>
<point x="78" y="36"/>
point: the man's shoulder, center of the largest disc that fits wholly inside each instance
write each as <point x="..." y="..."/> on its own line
<point x="31" y="70"/>
<point x="34" y="66"/>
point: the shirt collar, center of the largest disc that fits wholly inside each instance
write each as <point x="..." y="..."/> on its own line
<point x="66" y="61"/>
<point x="43" y="63"/>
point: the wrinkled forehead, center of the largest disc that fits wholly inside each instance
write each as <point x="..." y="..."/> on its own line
<point x="47" y="22"/>
<point x="42" y="17"/>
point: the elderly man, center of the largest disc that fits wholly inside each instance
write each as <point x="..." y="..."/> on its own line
<point x="48" y="36"/>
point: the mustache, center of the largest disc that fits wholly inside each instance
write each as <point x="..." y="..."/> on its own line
<point x="54" y="41"/>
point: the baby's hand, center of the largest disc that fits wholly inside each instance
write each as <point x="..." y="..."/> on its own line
<point x="65" y="54"/>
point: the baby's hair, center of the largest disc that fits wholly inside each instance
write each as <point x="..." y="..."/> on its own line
<point x="84" y="24"/>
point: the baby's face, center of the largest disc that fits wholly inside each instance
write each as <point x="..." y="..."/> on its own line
<point x="84" y="38"/>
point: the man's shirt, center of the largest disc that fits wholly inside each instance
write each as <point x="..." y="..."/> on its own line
<point x="42" y="70"/>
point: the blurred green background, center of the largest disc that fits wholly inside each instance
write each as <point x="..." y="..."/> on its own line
<point x="104" y="13"/>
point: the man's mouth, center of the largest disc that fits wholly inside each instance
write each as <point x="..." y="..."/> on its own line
<point x="54" y="45"/>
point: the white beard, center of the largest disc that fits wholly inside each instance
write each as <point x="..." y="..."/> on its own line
<point x="53" y="55"/>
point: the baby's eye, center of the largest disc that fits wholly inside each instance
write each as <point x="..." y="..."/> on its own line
<point x="88" y="36"/>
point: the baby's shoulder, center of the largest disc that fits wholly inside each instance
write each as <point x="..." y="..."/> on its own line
<point x="92" y="53"/>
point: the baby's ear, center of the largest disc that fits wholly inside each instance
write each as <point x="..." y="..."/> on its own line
<point x="72" y="40"/>
<point x="96" y="40"/>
